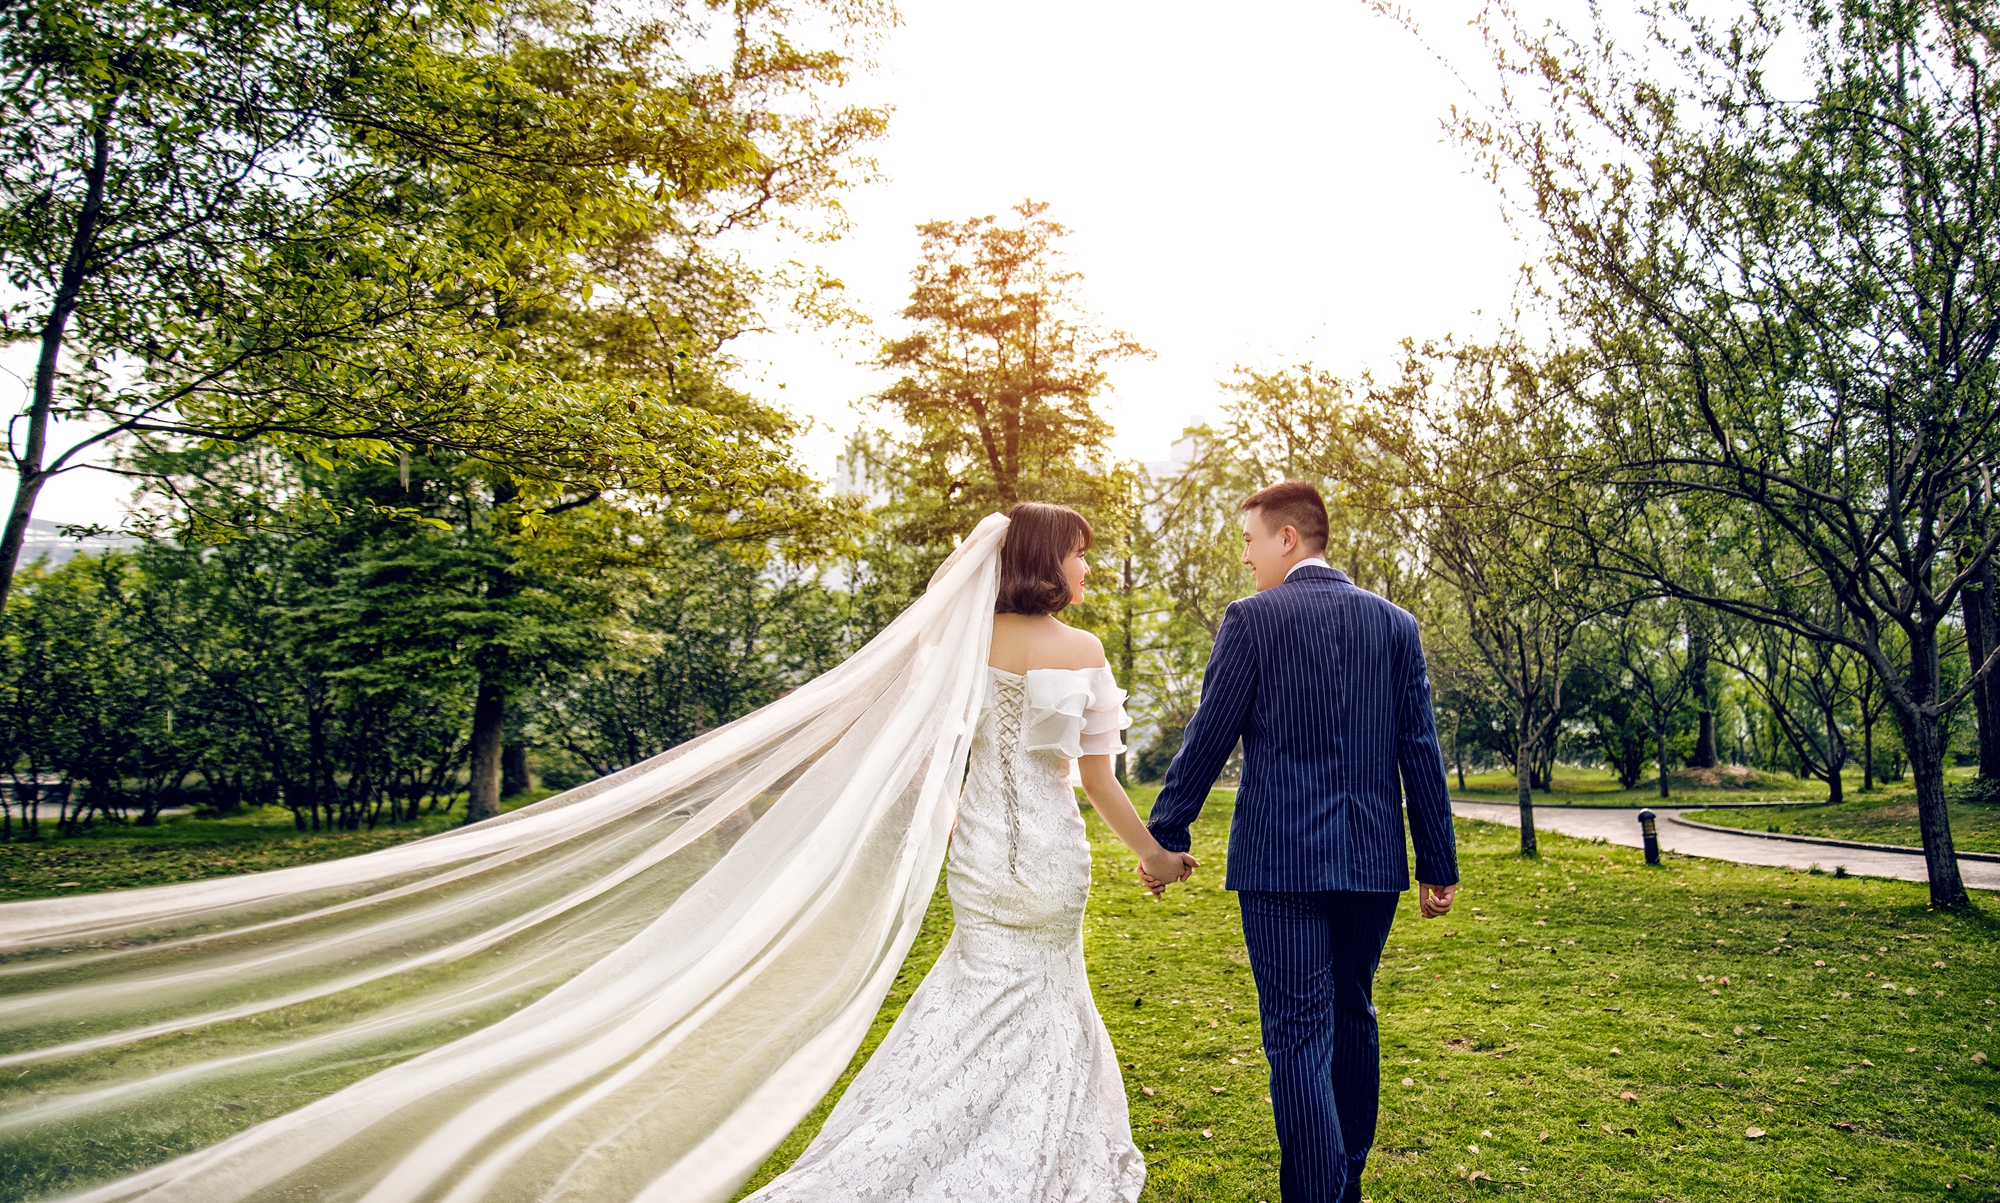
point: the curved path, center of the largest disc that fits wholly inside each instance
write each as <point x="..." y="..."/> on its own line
<point x="1621" y="826"/>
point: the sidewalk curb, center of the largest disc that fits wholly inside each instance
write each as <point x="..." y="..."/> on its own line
<point x="1989" y="857"/>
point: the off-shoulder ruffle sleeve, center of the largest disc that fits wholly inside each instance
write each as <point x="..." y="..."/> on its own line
<point x="1075" y="711"/>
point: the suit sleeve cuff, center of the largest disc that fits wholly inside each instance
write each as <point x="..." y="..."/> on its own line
<point x="1173" y="839"/>
<point x="1438" y="875"/>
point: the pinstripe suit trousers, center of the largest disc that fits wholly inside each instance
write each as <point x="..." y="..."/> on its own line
<point x="1314" y="957"/>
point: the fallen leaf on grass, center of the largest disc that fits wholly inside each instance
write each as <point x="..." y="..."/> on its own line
<point x="1754" y="1133"/>
<point x="1629" y="1097"/>
<point x="1843" y="1127"/>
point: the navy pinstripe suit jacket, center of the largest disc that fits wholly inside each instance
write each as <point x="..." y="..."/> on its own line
<point x="1325" y="685"/>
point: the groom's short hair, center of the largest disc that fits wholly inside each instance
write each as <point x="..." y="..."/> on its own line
<point x="1294" y="503"/>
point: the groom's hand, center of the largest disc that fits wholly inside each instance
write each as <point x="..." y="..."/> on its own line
<point x="1435" y="900"/>
<point x="1171" y="867"/>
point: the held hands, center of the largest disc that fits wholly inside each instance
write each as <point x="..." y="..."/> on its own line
<point x="1162" y="868"/>
<point x="1435" y="900"/>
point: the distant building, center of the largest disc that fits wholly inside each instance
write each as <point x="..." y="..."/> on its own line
<point x="1180" y="454"/>
<point x="45" y="539"/>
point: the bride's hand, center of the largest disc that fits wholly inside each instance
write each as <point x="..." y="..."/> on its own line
<point x="1162" y="868"/>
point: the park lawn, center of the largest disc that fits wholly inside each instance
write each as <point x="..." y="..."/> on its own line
<point x="186" y="848"/>
<point x="1873" y="818"/>
<point x="1575" y="785"/>
<point x="1499" y="1024"/>
<point x="1579" y="978"/>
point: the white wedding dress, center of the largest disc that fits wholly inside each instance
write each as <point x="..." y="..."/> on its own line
<point x="631" y="992"/>
<point x="998" y="1081"/>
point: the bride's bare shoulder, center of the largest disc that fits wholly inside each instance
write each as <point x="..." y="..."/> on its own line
<point x="1023" y="643"/>
<point x="1084" y="648"/>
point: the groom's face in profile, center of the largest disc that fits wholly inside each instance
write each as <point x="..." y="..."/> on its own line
<point x="1270" y="553"/>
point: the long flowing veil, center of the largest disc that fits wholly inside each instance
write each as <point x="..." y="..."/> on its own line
<point x="630" y="991"/>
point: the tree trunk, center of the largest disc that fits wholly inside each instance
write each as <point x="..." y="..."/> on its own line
<point x="1458" y="749"/>
<point x="1836" y="756"/>
<point x="1924" y="738"/>
<point x="514" y="777"/>
<point x="1868" y="751"/>
<point x="489" y="724"/>
<point x="1660" y="747"/>
<point x="1524" y="758"/>
<point x="31" y="465"/>
<point x="1704" y="741"/>
<point x="1976" y="605"/>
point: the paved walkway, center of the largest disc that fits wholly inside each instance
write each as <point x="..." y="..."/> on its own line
<point x="1621" y="826"/>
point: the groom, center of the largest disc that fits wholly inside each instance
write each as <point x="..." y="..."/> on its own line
<point x="1325" y="685"/>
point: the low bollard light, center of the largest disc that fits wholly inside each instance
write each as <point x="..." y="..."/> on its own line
<point x="1651" y="831"/>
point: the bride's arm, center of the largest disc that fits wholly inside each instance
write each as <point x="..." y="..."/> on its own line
<point x="1100" y="784"/>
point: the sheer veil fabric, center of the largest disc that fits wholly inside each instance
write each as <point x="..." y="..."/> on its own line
<point x="630" y="991"/>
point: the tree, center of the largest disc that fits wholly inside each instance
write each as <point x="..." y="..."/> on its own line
<point x="1649" y="644"/>
<point x="1790" y="304"/>
<point x="1807" y="686"/>
<point x="1485" y="455"/>
<point x="716" y="632"/>
<point x="1700" y="625"/>
<point x="1000" y="372"/>
<point x="336" y="225"/>
<point x="1612" y="724"/>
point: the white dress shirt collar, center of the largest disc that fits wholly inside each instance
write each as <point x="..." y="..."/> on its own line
<point x="1315" y="561"/>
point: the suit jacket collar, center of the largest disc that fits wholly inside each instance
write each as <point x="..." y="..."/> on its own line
<point x="1313" y="572"/>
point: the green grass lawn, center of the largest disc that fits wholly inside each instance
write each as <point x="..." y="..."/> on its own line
<point x="1511" y="1032"/>
<point x="1514" y="1029"/>
<point x="1874" y="818"/>
<point x="1572" y="785"/>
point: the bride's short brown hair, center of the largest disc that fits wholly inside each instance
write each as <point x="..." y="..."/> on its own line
<point x="1040" y="537"/>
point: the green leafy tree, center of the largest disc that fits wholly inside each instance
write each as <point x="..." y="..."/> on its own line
<point x="716" y="631"/>
<point x="1789" y="298"/>
<point x="1485" y="452"/>
<point x="1000" y="372"/>
<point x="1647" y="641"/>
<point x="356" y="230"/>
<point x="1612" y="724"/>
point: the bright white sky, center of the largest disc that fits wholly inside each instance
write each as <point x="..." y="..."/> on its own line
<point x="1258" y="183"/>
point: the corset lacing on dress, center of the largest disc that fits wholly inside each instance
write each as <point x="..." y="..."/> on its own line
<point x="1010" y="702"/>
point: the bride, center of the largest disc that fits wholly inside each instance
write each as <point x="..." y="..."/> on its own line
<point x="998" y="1080"/>
<point x="636" y="989"/>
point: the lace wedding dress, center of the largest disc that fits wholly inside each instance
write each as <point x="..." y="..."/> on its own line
<point x="998" y="1081"/>
<point x="631" y="992"/>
